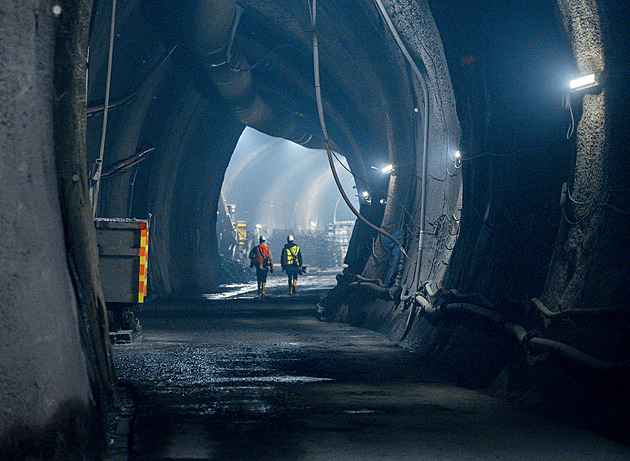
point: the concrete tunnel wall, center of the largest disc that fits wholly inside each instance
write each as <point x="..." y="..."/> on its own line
<point x="50" y="390"/>
<point x="164" y="99"/>
<point x="373" y="105"/>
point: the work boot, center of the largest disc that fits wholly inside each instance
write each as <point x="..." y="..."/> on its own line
<point x="290" y="288"/>
<point x="294" y="284"/>
<point x="263" y="289"/>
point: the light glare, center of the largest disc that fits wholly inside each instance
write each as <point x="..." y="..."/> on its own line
<point x="581" y="83"/>
<point x="388" y="169"/>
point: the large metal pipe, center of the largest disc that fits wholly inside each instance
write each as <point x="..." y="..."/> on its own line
<point x="213" y="26"/>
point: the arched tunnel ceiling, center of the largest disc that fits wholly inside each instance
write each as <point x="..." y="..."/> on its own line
<point x="504" y="65"/>
<point x="530" y="225"/>
<point x="359" y="70"/>
<point x="281" y="185"/>
<point x="163" y="86"/>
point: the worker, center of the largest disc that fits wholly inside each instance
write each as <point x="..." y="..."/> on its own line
<point x="260" y="258"/>
<point x="291" y="261"/>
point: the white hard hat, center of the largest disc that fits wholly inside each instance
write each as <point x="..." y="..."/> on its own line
<point x="261" y="238"/>
<point x="289" y="238"/>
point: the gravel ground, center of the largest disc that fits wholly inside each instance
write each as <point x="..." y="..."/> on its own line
<point x="245" y="379"/>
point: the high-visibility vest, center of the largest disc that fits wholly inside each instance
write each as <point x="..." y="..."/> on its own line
<point x="261" y="256"/>
<point x="291" y="255"/>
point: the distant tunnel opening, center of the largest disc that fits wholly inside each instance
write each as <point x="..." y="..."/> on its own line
<point x="274" y="187"/>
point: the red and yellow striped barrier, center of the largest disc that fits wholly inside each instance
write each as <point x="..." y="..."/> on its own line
<point x="144" y="263"/>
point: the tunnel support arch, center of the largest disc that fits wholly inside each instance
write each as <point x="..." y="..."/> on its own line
<point x="588" y="267"/>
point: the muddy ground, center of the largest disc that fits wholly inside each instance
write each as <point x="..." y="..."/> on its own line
<point x="238" y="378"/>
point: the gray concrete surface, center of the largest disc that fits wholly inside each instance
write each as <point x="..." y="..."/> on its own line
<point x="42" y="364"/>
<point x="265" y="380"/>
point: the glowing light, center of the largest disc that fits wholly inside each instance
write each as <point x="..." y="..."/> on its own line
<point x="56" y="10"/>
<point x="366" y="194"/>
<point x="584" y="82"/>
<point x="388" y="169"/>
<point x="258" y="226"/>
<point x="458" y="155"/>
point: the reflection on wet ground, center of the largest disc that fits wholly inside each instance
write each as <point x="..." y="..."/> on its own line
<point x="241" y="380"/>
<point x="311" y="282"/>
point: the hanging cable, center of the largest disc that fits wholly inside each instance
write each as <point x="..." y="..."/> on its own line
<point x="97" y="109"/>
<point x="578" y="202"/>
<point x="99" y="162"/>
<point x="571" y="128"/>
<point x="371" y="186"/>
<point x="322" y="121"/>
<point x="425" y="140"/>
<point x="351" y="206"/>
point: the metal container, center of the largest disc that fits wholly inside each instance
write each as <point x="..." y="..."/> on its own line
<point x="123" y="246"/>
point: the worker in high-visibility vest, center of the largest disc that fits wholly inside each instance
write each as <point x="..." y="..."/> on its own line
<point x="291" y="261"/>
<point x="260" y="257"/>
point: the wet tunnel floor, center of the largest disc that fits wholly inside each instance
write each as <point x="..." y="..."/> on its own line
<point x="241" y="380"/>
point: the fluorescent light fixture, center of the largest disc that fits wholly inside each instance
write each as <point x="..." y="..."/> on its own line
<point x="584" y="82"/>
<point x="387" y="169"/>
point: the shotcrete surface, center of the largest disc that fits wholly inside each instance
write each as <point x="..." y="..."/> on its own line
<point x="248" y="379"/>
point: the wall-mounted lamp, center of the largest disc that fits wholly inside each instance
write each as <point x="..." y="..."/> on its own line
<point x="387" y="169"/>
<point x="584" y="82"/>
<point x="56" y="9"/>
<point x="577" y="88"/>
<point x="367" y="197"/>
<point x="458" y="159"/>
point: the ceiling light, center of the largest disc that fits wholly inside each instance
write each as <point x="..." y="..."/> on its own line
<point x="387" y="169"/>
<point x="458" y="155"/>
<point x="366" y="194"/>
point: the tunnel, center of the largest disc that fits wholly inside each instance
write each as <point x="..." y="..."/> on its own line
<point x="480" y="149"/>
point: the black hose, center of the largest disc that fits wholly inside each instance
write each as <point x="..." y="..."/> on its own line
<point x="475" y="310"/>
<point x="125" y="163"/>
<point x="363" y="279"/>
<point x="530" y="341"/>
<point x="585" y="311"/>
<point x="383" y="293"/>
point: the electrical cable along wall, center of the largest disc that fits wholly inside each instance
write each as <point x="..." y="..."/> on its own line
<point x="432" y="166"/>
<point x="513" y="157"/>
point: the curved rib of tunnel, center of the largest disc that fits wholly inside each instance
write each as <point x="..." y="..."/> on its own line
<point x="508" y="205"/>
